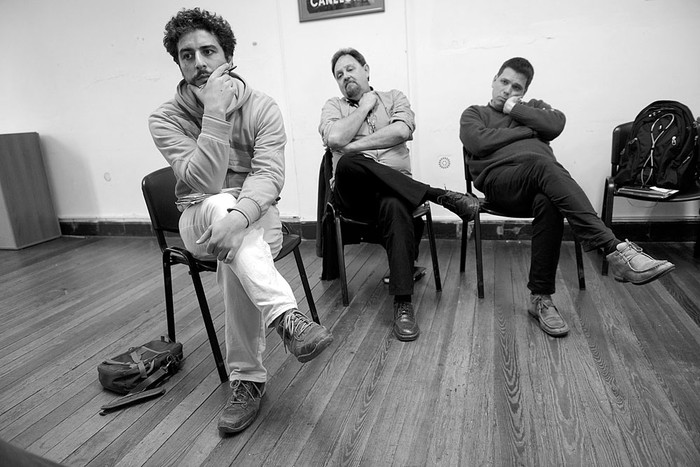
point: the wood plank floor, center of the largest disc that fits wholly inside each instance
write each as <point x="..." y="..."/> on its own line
<point x="481" y="386"/>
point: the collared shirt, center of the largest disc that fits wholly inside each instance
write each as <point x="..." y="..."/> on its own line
<point x="392" y="106"/>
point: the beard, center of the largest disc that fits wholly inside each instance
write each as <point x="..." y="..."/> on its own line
<point x="353" y="91"/>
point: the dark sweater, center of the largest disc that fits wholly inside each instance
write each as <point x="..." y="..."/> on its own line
<point x="493" y="138"/>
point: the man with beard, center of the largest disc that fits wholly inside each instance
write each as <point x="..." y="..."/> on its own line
<point x="512" y="163"/>
<point x="367" y="130"/>
<point x="225" y="143"/>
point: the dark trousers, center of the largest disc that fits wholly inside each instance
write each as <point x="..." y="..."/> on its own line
<point x="542" y="188"/>
<point x="372" y="192"/>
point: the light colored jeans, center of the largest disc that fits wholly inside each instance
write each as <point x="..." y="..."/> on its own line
<point x="255" y="293"/>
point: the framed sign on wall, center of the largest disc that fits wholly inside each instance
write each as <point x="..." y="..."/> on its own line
<point x="310" y="10"/>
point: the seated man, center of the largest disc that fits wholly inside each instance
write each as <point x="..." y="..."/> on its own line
<point x="367" y="132"/>
<point x="512" y="163"/>
<point x="225" y="142"/>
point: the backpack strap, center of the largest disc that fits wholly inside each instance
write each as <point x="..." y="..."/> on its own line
<point x="131" y="400"/>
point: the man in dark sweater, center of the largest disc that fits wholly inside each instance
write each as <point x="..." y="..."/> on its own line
<point x="512" y="163"/>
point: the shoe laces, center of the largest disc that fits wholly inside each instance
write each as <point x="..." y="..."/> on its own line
<point x="403" y="308"/>
<point x="446" y="199"/>
<point x="633" y="246"/>
<point x="242" y="392"/>
<point x="293" y="324"/>
<point x="543" y="301"/>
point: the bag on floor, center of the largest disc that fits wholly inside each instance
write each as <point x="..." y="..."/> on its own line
<point x="662" y="148"/>
<point x="140" y="371"/>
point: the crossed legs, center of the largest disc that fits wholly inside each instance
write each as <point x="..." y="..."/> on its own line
<point x="255" y="293"/>
<point x="544" y="189"/>
<point x="374" y="193"/>
<point x="541" y="187"/>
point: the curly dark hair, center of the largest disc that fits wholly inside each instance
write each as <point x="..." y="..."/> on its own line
<point x="186" y="21"/>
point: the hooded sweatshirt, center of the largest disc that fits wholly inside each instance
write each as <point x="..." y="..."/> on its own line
<point x="493" y="138"/>
<point x="243" y="155"/>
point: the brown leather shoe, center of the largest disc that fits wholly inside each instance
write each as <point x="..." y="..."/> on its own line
<point x="242" y="407"/>
<point x="543" y="310"/>
<point x="405" y="326"/>
<point x="629" y="264"/>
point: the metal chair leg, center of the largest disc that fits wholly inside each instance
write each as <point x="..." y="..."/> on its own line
<point x="479" y="257"/>
<point x="606" y="215"/>
<point x="463" y="247"/>
<point x="305" y="284"/>
<point x="433" y="250"/>
<point x="168" y="287"/>
<point x="209" y="324"/>
<point x="579" y="266"/>
<point x="341" y="262"/>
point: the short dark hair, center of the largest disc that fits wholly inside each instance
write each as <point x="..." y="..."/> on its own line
<point x="347" y="51"/>
<point x="519" y="65"/>
<point x="186" y="21"/>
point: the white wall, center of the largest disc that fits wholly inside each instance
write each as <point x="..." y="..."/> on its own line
<point x="85" y="74"/>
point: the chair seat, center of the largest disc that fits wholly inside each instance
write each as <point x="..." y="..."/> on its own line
<point x="689" y="195"/>
<point x="420" y="211"/>
<point x="490" y="208"/>
<point x="289" y="243"/>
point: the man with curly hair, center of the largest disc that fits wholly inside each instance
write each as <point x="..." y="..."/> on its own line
<point x="225" y="142"/>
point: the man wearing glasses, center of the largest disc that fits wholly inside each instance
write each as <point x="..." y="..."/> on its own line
<point x="367" y="130"/>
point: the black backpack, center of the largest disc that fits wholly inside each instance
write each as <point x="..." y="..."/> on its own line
<point x="661" y="149"/>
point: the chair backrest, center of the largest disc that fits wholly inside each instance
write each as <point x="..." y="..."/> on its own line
<point x="467" y="174"/>
<point x="486" y="206"/>
<point x="159" y="192"/>
<point x="619" y="137"/>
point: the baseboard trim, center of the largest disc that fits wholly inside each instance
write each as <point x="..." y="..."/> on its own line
<point x="679" y="231"/>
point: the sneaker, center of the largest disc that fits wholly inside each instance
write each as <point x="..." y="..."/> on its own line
<point x="543" y="310"/>
<point x="242" y="407"/>
<point x="302" y="337"/>
<point x="405" y="326"/>
<point x="629" y="264"/>
<point x="464" y="205"/>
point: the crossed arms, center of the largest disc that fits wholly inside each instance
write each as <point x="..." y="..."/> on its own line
<point x="484" y="132"/>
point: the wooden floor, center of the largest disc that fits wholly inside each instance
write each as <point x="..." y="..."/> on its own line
<point x="481" y="386"/>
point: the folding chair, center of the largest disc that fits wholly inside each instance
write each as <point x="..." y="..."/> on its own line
<point x="159" y="192"/>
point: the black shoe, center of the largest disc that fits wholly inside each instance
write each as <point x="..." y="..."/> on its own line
<point x="405" y="326"/>
<point x="242" y="407"/>
<point x="464" y="205"/>
<point x="304" y="338"/>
